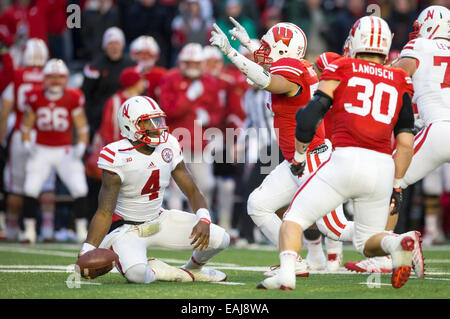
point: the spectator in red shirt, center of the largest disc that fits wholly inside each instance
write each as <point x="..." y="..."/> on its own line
<point x="144" y="50"/>
<point x="190" y="98"/>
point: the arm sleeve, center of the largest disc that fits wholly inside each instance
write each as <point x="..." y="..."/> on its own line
<point x="309" y="117"/>
<point x="405" y="122"/>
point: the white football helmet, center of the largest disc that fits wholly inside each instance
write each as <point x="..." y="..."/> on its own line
<point x="141" y="119"/>
<point x="370" y="34"/>
<point x="56" y="75"/>
<point x="190" y="59"/>
<point x="145" y="45"/>
<point x="35" y="53"/>
<point x="282" y="40"/>
<point x="433" y="22"/>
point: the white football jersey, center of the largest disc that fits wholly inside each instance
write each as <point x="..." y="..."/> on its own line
<point x="144" y="177"/>
<point x="432" y="78"/>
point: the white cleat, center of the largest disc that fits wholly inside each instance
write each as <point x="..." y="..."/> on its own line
<point x="334" y="262"/>
<point x="206" y="274"/>
<point x="165" y="272"/>
<point x="316" y="261"/>
<point x="381" y="265"/>
<point x="273" y="283"/>
<point x="418" y="261"/>
<point x="402" y="258"/>
<point x="301" y="269"/>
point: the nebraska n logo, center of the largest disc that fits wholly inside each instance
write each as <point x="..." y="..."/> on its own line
<point x="283" y="34"/>
<point x="125" y="111"/>
<point x="430" y="14"/>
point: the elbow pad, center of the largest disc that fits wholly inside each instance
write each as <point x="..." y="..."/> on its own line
<point x="309" y="117"/>
<point x="405" y="121"/>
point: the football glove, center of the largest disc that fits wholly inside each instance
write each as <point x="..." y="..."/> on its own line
<point x="396" y="200"/>
<point x="298" y="164"/>
<point x="239" y="32"/>
<point x="195" y="90"/>
<point x="220" y="40"/>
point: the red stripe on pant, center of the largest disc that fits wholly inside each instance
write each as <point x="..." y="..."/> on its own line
<point x="330" y="227"/>
<point x="118" y="263"/>
<point x="424" y="133"/>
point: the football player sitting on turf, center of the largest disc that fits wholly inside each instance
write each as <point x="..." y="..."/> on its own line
<point x="130" y="219"/>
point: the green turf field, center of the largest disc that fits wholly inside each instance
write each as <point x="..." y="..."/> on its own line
<point x="44" y="271"/>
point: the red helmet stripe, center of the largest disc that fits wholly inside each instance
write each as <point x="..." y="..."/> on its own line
<point x="372" y="30"/>
<point x="379" y="33"/>
<point x="150" y="101"/>
<point x="431" y="35"/>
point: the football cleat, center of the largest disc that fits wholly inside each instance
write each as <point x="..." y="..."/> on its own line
<point x="382" y="265"/>
<point x="301" y="269"/>
<point x="165" y="272"/>
<point x="418" y="261"/>
<point x="206" y="274"/>
<point x="316" y="261"/>
<point x="334" y="261"/>
<point x="273" y="283"/>
<point x="402" y="258"/>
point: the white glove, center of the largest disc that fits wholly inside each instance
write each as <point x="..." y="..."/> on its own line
<point x="29" y="148"/>
<point x="79" y="149"/>
<point x="202" y="116"/>
<point x="85" y="248"/>
<point x="239" y="32"/>
<point x="220" y="40"/>
<point x="195" y="90"/>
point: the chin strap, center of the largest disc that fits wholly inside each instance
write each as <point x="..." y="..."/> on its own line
<point x="132" y="148"/>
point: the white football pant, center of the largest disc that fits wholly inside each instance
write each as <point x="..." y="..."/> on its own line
<point x="351" y="173"/>
<point x="69" y="168"/>
<point x="175" y="229"/>
<point x="14" y="172"/>
<point x="277" y="191"/>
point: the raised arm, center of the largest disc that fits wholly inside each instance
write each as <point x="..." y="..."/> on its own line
<point x="273" y="83"/>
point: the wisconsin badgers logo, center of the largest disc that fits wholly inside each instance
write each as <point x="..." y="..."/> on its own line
<point x="283" y="34"/>
<point x="167" y="155"/>
<point x="125" y="111"/>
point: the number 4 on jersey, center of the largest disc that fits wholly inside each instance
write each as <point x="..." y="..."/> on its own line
<point x="152" y="186"/>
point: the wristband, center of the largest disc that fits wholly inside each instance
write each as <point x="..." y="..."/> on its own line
<point x="397" y="183"/>
<point x="299" y="158"/>
<point x="86" y="247"/>
<point x="202" y="214"/>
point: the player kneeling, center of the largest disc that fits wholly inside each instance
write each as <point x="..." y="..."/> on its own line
<point x="130" y="219"/>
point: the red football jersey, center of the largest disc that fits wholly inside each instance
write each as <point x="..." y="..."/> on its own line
<point x="54" y="117"/>
<point x="366" y="103"/>
<point x="182" y="112"/>
<point x="25" y="80"/>
<point x="285" y="108"/>
<point x="109" y="129"/>
<point x="324" y="59"/>
<point x="321" y="63"/>
<point x="153" y="79"/>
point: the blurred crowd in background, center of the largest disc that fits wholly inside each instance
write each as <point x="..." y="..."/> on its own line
<point x="100" y="45"/>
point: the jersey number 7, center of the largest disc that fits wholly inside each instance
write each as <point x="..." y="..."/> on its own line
<point x="152" y="186"/>
<point x="439" y="60"/>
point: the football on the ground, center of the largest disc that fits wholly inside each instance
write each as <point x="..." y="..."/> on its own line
<point x="96" y="262"/>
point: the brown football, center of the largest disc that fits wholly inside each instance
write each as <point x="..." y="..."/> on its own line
<point x="96" y="262"/>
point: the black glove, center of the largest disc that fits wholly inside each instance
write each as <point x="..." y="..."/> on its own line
<point x="297" y="168"/>
<point x="396" y="200"/>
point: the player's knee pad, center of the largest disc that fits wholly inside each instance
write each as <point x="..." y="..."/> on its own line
<point x="140" y="274"/>
<point x="219" y="238"/>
